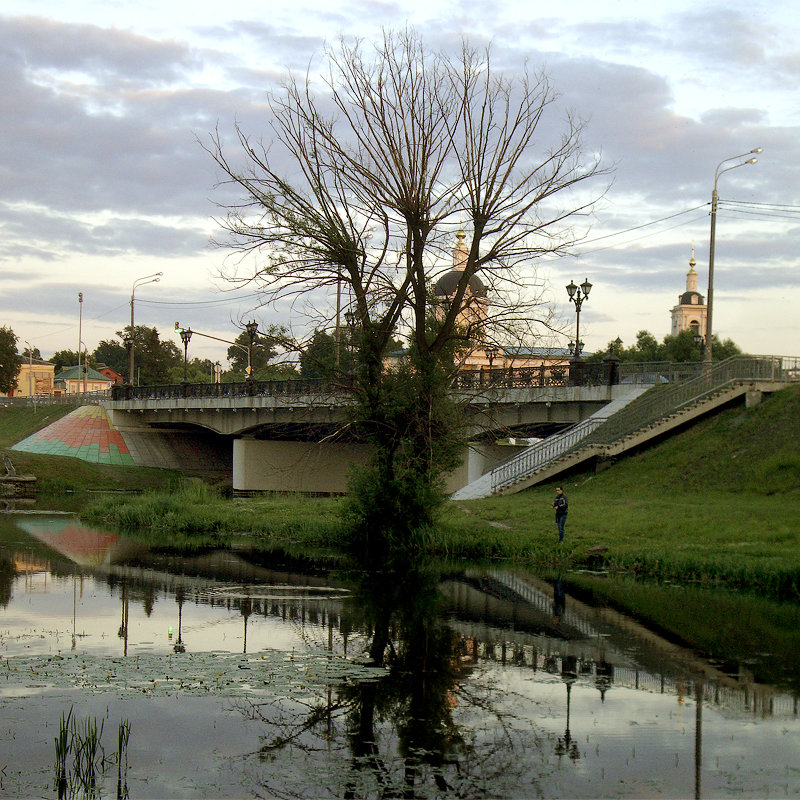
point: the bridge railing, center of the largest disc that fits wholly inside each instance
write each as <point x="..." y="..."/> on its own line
<point x="542" y="453"/>
<point x="278" y="388"/>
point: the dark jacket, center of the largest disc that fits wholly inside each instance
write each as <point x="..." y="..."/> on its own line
<point x="560" y="505"/>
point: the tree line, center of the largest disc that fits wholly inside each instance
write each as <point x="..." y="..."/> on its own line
<point x="273" y="356"/>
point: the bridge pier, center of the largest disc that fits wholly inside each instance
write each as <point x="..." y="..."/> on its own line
<point x="263" y="465"/>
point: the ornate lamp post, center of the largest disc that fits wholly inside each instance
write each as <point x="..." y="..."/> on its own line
<point x="186" y="335"/>
<point x="491" y="353"/>
<point x="155" y="278"/>
<point x="714" y="201"/>
<point x="578" y="294"/>
<point x="252" y="331"/>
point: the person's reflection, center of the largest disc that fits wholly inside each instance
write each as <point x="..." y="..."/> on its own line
<point x="559" y="599"/>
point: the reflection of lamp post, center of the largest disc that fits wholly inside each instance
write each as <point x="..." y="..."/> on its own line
<point x="180" y="595"/>
<point x="186" y="336"/>
<point x="566" y="745"/>
<point x="155" y="278"/>
<point x="714" y="200"/>
<point x="246" y="609"/>
<point x="123" y="626"/>
<point x="578" y="294"/>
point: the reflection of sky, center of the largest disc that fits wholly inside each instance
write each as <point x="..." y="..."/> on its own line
<point x="638" y="744"/>
<point x="38" y="622"/>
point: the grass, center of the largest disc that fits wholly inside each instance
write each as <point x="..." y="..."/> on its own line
<point x="716" y="504"/>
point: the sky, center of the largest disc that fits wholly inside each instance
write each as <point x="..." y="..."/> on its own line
<point x="103" y="180"/>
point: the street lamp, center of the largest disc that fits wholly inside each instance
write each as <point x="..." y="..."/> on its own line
<point x="578" y="294"/>
<point x="252" y="330"/>
<point x="155" y="278"/>
<point x="184" y="331"/>
<point x="714" y="200"/>
<point x="186" y="335"/>
<point x="30" y="369"/>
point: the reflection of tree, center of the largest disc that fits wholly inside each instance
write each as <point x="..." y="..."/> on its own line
<point x="7" y="575"/>
<point x="420" y="691"/>
<point x="404" y="734"/>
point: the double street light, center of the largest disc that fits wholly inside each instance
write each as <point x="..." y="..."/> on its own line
<point x="714" y="202"/>
<point x="252" y="331"/>
<point x="578" y="294"/>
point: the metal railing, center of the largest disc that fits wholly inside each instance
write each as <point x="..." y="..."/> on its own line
<point x="294" y="387"/>
<point x="669" y="395"/>
<point x="663" y="400"/>
<point x="539" y="455"/>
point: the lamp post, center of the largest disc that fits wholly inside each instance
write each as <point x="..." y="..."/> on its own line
<point x="183" y="331"/>
<point x="714" y="201"/>
<point x="80" y="323"/>
<point x="85" y="365"/>
<point x="186" y="335"/>
<point x="30" y="369"/>
<point x="252" y="331"/>
<point x="491" y="353"/>
<point x="578" y="294"/>
<point x="155" y="278"/>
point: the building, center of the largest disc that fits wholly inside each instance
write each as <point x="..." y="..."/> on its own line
<point x="690" y="313"/>
<point x="474" y="318"/>
<point x="111" y="373"/>
<point x="35" y="379"/>
<point x="76" y="380"/>
<point x="474" y="305"/>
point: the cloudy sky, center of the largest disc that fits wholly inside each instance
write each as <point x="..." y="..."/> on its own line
<point x="103" y="181"/>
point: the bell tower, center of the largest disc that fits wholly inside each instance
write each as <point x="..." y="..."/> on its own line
<point x="690" y="313"/>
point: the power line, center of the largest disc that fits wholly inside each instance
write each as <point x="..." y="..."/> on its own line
<point x="221" y="301"/>
<point x="644" y="224"/>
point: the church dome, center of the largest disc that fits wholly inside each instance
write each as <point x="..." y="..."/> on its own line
<point x="691" y="299"/>
<point x="446" y="285"/>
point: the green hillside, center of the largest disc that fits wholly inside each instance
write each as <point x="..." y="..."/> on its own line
<point x="737" y="450"/>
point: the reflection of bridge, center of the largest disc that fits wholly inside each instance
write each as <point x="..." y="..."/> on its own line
<point x="597" y="646"/>
<point x="500" y="616"/>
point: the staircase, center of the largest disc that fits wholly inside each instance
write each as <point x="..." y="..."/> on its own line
<point x="642" y="414"/>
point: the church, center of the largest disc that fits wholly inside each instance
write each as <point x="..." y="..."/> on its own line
<point x="690" y="313"/>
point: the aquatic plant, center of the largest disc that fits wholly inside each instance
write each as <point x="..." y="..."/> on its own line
<point x="83" y="740"/>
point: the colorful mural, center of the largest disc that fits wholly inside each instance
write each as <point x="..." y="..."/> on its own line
<point x="86" y="433"/>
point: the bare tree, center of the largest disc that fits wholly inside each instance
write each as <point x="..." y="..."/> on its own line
<point x="401" y="147"/>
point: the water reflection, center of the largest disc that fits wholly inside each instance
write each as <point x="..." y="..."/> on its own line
<point x="492" y="682"/>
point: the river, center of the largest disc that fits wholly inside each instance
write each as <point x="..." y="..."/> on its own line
<point x="237" y="673"/>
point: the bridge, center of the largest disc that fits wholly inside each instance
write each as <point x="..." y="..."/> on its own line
<point x="293" y="435"/>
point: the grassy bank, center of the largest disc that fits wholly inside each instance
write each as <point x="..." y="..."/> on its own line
<point x="62" y="474"/>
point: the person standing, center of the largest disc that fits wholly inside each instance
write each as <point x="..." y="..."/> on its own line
<point x="560" y="505"/>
